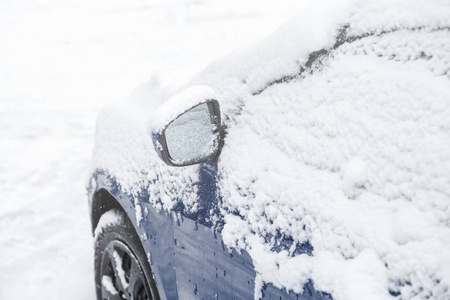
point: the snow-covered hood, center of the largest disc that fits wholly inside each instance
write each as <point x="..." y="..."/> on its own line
<point x="338" y="134"/>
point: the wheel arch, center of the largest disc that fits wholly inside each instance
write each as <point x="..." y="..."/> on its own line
<point x="107" y="196"/>
<point x="103" y="201"/>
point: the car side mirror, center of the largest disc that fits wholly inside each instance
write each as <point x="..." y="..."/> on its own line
<point x="193" y="137"/>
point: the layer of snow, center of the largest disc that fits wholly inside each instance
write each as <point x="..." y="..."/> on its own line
<point x="109" y="218"/>
<point x="352" y="156"/>
<point x="179" y="103"/>
<point x="364" y="173"/>
<point x="356" y="160"/>
<point x="108" y="284"/>
<point x="119" y="269"/>
<point x="60" y="61"/>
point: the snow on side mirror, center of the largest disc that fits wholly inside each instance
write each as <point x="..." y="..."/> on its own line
<point x="192" y="137"/>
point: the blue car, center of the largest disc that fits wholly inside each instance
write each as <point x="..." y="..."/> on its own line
<point x="313" y="165"/>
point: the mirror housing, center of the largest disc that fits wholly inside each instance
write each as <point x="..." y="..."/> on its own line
<point x="193" y="137"/>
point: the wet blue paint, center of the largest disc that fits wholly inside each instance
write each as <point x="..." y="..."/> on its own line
<point x="186" y="252"/>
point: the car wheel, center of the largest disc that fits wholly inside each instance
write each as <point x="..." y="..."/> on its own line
<point x="122" y="270"/>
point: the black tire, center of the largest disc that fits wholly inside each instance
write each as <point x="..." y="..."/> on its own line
<point x="122" y="270"/>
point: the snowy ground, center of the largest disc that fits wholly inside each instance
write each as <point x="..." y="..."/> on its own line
<point x="60" y="61"/>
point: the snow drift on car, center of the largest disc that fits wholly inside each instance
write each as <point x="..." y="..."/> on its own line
<point x="337" y="136"/>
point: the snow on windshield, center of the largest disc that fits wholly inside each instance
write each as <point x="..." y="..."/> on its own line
<point x="353" y="162"/>
<point x="350" y="150"/>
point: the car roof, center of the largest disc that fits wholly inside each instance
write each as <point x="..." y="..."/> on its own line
<point x="313" y="32"/>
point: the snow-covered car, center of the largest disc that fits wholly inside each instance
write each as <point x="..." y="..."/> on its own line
<point x="312" y="165"/>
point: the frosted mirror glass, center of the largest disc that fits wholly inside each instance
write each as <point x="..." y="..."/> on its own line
<point x="192" y="136"/>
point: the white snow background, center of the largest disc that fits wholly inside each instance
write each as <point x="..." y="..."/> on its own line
<point x="60" y="62"/>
